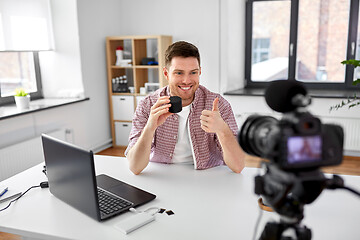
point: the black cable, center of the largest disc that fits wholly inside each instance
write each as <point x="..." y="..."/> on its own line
<point x="18" y="198"/>
<point x="44" y="170"/>
<point x="338" y="183"/>
<point x="351" y="190"/>
<point x="42" y="185"/>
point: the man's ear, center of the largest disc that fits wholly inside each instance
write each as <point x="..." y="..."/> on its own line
<point x="166" y="73"/>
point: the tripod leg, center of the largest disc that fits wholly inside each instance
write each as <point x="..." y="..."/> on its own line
<point x="272" y="231"/>
<point x="303" y="233"/>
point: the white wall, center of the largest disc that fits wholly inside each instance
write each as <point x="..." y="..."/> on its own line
<point x="232" y="44"/>
<point x="193" y="21"/>
<point x="61" y="69"/>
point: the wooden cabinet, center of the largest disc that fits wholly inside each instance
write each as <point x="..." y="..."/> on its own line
<point x="133" y="63"/>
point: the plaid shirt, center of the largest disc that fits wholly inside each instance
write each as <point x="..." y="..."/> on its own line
<point x="207" y="148"/>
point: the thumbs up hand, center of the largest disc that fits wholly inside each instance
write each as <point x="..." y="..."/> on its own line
<point x="211" y="121"/>
<point x="215" y="105"/>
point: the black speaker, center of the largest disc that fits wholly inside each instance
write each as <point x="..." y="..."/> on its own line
<point x="176" y="104"/>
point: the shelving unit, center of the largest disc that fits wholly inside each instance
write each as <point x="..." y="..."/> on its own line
<point x="135" y="49"/>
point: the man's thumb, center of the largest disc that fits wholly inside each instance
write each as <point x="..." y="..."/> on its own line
<point x="216" y="104"/>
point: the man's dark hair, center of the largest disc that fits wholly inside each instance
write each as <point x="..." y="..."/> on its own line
<point x="181" y="49"/>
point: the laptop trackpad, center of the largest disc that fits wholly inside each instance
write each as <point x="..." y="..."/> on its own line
<point x="124" y="190"/>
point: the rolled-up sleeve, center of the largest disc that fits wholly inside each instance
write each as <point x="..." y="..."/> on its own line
<point x="139" y="121"/>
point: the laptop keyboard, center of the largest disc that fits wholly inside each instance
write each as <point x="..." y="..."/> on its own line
<point x="110" y="204"/>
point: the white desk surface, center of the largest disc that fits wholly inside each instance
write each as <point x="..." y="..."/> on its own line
<point x="208" y="204"/>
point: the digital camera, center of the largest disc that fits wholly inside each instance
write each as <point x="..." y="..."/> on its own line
<point x="298" y="140"/>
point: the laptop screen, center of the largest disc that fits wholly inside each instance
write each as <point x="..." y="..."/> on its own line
<point x="71" y="175"/>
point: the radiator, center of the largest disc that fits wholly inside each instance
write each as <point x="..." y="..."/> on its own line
<point x="351" y="128"/>
<point x="23" y="155"/>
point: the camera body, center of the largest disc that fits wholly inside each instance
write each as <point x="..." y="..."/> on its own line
<point x="296" y="142"/>
<point x="309" y="144"/>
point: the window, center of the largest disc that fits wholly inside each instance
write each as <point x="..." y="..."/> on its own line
<point x="25" y="25"/>
<point x="357" y="70"/>
<point x="261" y="49"/>
<point x="19" y="70"/>
<point x="304" y="40"/>
<point x="25" y="29"/>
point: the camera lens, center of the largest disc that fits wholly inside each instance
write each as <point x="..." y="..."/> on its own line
<point x="256" y="135"/>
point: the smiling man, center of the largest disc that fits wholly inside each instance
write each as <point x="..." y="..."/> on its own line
<point x="203" y="133"/>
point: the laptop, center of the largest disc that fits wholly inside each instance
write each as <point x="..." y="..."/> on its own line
<point x="71" y="174"/>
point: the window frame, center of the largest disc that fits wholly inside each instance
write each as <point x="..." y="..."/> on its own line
<point x="294" y="14"/>
<point x="34" y="95"/>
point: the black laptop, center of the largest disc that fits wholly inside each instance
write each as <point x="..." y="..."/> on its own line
<point x="71" y="174"/>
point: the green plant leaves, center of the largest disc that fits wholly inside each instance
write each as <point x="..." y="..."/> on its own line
<point x="356" y="82"/>
<point x="355" y="63"/>
<point x="350" y="102"/>
<point x="19" y="92"/>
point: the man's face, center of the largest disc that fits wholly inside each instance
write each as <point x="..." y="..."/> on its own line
<point x="183" y="76"/>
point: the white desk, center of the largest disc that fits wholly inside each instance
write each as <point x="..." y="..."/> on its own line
<point x="208" y="204"/>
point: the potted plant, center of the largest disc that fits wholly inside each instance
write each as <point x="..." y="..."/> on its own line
<point x="22" y="99"/>
<point x="354" y="101"/>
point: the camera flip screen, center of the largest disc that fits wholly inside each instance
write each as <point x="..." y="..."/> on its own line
<point x="304" y="149"/>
